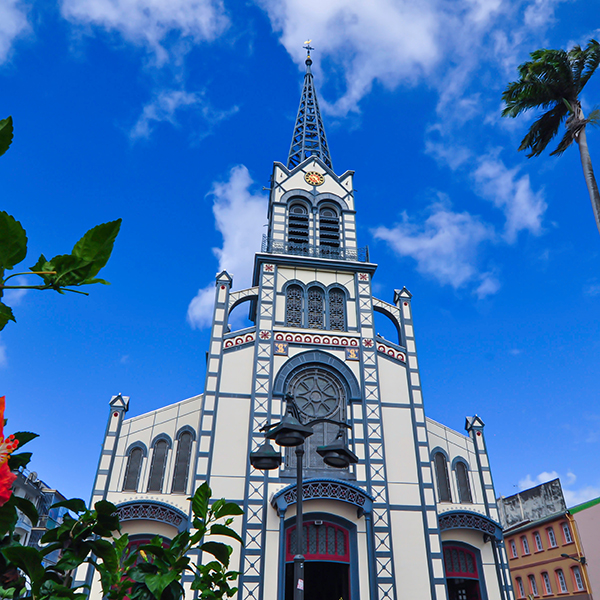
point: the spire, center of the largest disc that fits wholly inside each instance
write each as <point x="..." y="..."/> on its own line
<point x="309" y="134"/>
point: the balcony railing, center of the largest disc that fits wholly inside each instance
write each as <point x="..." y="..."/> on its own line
<point x="272" y="246"/>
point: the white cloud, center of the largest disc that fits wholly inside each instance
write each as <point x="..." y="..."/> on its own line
<point x="163" y="27"/>
<point x="395" y="42"/>
<point x="572" y="496"/>
<point x="592" y="289"/>
<point x="240" y="217"/>
<point x="167" y="103"/>
<point x="380" y="40"/>
<point x="522" y="207"/>
<point x="445" y="247"/>
<point x="13" y="23"/>
<point x="14" y="297"/>
<point x="527" y="482"/>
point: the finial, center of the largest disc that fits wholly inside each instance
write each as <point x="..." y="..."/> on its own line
<point x="308" y="48"/>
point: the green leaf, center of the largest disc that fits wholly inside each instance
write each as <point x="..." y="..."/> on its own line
<point x="200" y="501"/>
<point x="77" y="505"/>
<point x="13" y="241"/>
<point x="106" y="551"/>
<point x="6" y="134"/>
<point x="26" y="558"/>
<point x="159" y="581"/>
<point x="24" y="437"/>
<point x="220" y="551"/>
<point x="28" y="509"/>
<point x="16" y="461"/>
<point x="8" y="516"/>
<point x="222" y="530"/>
<point x="6" y="315"/>
<point x="228" y="509"/>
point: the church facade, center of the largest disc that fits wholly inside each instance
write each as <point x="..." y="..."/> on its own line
<point x="415" y="517"/>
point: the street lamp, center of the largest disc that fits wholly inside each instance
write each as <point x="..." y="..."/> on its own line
<point x="580" y="559"/>
<point x="290" y="433"/>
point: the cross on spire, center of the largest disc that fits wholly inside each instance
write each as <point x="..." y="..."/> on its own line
<point x="309" y="134"/>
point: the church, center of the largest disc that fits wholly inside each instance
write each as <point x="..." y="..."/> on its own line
<point x="408" y="510"/>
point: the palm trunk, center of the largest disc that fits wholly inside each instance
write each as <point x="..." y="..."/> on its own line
<point x="588" y="173"/>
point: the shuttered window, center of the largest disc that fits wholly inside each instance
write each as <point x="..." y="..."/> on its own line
<point x="132" y="473"/>
<point x="157" y="470"/>
<point x="462" y="478"/>
<point x="182" y="463"/>
<point x="441" y="471"/>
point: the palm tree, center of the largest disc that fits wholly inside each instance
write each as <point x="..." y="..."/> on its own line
<point x="552" y="80"/>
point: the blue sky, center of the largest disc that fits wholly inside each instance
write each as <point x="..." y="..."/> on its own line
<point x="169" y="114"/>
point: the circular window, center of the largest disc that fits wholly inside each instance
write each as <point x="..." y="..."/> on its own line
<point x="317" y="393"/>
<point x="329" y="213"/>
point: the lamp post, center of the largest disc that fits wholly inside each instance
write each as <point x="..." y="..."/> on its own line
<point x="289" y="433"/>
<point x="580" y="559"/>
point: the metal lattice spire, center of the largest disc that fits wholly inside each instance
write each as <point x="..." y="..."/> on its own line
<point x="309" y="134"/>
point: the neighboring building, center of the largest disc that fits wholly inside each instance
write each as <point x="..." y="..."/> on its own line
<point x="27" y="485"/>
<point x="415" y="518"/>
<point x="538" y="530"/>
<point x="587" y="519"/>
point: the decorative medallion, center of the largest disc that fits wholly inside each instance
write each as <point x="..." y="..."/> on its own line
<point x="314" y="178"/>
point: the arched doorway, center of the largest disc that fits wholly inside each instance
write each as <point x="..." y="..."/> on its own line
<point x="327" y="561"/>
<point x="462" y="573"/>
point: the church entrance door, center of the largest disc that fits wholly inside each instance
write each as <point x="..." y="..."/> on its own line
<point x="462" y="577"/>
<point x="463" y="589"/>
<point x="327" y="561"/>
<point x="322" y="581"/>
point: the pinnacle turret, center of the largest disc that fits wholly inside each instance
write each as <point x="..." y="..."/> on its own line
<point x="309" y="134"/>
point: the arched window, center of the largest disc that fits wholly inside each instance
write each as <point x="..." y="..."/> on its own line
<point x="443" y="481"/>
<point x="462" y="480"/>
<point x="293" y="306"/>
<point x="182" y="462"/>
<point x="132" y="472"/>
<point x="329" y="229"/>
<point x="318" y="393"/>
<point x="298" y="225"/>
<point x="157" y="469"/>
<point x="337" y="310"/>
<point x="316" y="312"/>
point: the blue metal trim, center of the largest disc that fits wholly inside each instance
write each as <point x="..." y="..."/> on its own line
<point x="187" y="428"/>
<point x="458" y="459"/>
<point x="461" y="511"/>
<point x="321" y="358"/>
<point x="185" y="523"/>
<point x="278" y="499"/>
<point x="162" y="436"/>
<point x="140" y="445"/>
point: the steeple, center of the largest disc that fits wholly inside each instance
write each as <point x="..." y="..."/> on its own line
<point x="309" y="134"/>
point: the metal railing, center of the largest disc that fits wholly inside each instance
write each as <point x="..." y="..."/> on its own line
<point x="271" y="246"/>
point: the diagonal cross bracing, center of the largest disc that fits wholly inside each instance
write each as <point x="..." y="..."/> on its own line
<point x="309" y="134"/>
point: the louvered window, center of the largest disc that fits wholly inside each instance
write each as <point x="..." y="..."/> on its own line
<point x="329" y="229"/>
<point x="132" y="473"/>
<point x="298" y="225"/>
<point x="443" y="481"/>
<point x="337" y="310"/>
<point x="182" y="463"/>
<point x="462" y="479"/>
<point x="316" y="314"/>
<point x="157" y="470"/>
<point x="293" y="306"/>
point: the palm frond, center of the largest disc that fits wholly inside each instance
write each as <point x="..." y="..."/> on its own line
<point x="543" y="130"/>
<point x="592" y="60"/>
<point x="544" y="81"/>
<point x="593" y="118"/>
<point x="565" y="142"/>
